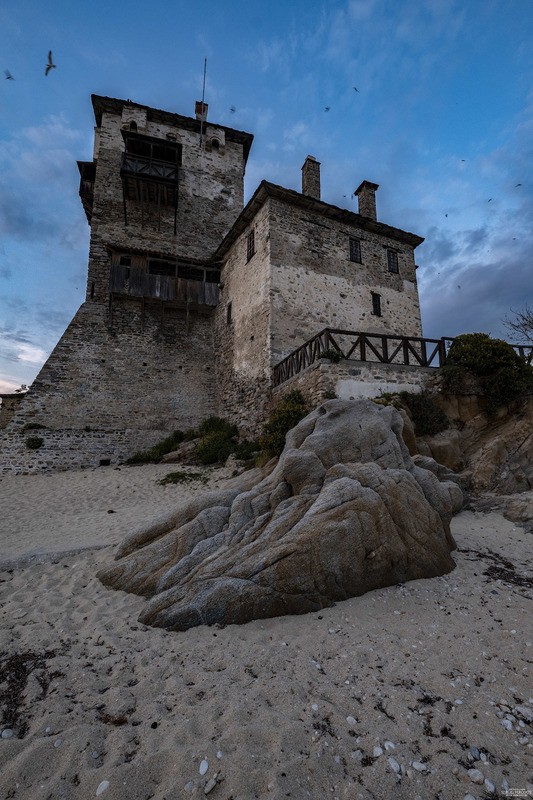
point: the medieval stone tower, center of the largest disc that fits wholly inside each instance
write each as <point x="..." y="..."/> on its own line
<point x="191" y="297"/>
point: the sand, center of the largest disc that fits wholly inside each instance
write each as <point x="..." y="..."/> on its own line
<point x="396" y="694"/>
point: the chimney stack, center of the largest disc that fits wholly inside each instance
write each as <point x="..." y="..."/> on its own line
<point x="201" y="111"/>
<point x="366" y="194"/>
<point x="311" y="177"/>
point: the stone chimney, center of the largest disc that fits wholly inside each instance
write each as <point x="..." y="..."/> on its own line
<point x="200" y="110"/>
<point x="366" y="194"/>
<point x="311" y="177"/>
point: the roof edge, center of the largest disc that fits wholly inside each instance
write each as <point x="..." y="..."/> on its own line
<point x="267" y="189"/>
<point x="114" y="105"/>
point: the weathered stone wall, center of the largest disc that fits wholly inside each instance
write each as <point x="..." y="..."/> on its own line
<point x="151" y="373"/>
<point x="243" y="342"/>
<point x="211" y="193"/>
<point x="9" y="404"/>
<point x="349" y="380"/>
<point x="315" y="285"/>
<point x="70" y="449"/>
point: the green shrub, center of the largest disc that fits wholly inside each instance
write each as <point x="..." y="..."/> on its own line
<point x="214" y="448"/>
<point x="289" y="412"/>
<point x="182" y="476"/>
<point x="246" y="450"/>
<point x="428" y="417"/>
<point x="156" y="453"/>
<point x="34" y="442"/>
<point x="332" y="354"/>
<point x="217" y="425"/>
<point x="190" y="434"/>
<point x="501" y="374"/>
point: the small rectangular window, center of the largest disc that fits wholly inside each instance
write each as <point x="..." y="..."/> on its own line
<point x="392" y="261"/>
<point x="355" y="250"/>
<point x="228" y="314"/>
<point x="376" y="304"/>
<point x="125" y="261"/>
<point x="250" y="245"/>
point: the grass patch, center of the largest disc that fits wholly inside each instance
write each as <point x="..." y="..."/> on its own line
<point x="182" y="476"/>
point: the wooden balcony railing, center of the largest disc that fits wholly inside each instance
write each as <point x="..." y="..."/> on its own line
<point x="137" y="282"/>
<point x="374" y="347"/>
<point x="413" y="351"/>
<point x="151" y="168"/>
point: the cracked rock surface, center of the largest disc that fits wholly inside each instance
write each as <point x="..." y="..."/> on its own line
<point x="344" y="511"/>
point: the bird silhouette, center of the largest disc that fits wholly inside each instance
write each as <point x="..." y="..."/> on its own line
<point x="232" y="109"/>
<point x="518" y="184"/>
<point x="446" y="215"/>
<point x="489" y="200"/>
<point x="327" y="108"/>
<point x="50" y="64"/>
<point x="9" y="76"/>
<point x="356" y="89"/>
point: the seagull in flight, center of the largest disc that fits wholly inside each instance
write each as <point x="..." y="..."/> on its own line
<point x="232" y="109"/>
<point x="50" y="64"/>
<point x="518" y="184"/>
<point x="9" y="76"/>
<point x="489" y="200"/>
<point x="327" y="108"/>
<point x="356" y="89"/>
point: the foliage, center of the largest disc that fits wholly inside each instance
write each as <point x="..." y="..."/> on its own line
<point x="34" y="442"/>
<point x="218" y="439"/>
<point x="190" y="434"/>
<point x="330" y="395"/>
<point x="428" y="417"/>
<point x="289" y="412"/>
<point x="521" y="324"/>
<point x="182" y="476"/>
<point x="214" y="448"/>
<point x="501" y="374"/>
<point x="332" y="354"/>
<point x="156" y="453"/>
<point x="246" y="449"/>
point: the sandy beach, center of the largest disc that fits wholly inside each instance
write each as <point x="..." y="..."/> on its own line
<point x="420" y="690"/>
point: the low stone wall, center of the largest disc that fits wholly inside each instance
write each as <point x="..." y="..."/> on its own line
<point x="71" y="449"/>
<point x="349" y="380"/>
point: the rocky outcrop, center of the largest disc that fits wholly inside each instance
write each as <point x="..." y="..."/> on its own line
<point x="344" y="511"/>
<point x="496" y="453"/>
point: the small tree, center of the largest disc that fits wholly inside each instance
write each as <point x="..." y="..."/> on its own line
<point x="502" y="375"/>
<point x="521" y="325"/>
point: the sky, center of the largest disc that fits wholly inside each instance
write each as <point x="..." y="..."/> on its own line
<point x="431" y="99"/>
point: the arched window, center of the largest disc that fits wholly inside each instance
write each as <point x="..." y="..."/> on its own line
<point x="215" y="144"/>
<point x="133" y="125"/>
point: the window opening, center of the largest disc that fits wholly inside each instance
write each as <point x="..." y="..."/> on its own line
<point x="228" y="314"/>
<point x="250" y="245"/>
<point x="376" y="304"/>
<point x="133" y="125"/>
<point x="92" y="290"/>
<point x="159" y="267"/>
<point x="355" y="250"/>
<point x="392" y="261"/>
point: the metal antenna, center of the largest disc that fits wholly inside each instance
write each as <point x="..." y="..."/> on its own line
<point x="203" y="107"/>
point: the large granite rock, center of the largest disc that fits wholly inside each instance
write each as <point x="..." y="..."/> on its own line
<point x="344" y="511"/>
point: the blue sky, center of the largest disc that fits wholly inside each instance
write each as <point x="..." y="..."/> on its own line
<point x="442" y="120"/>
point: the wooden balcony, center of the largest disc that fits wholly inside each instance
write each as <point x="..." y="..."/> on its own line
<point x="137" y="282"/>
<point x="87" y="177"/>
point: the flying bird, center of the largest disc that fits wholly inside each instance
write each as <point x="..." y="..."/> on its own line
<point x="518" y="184"/>
<point x="9" y="76"/>
<point x="232" y="109"/>
<point x="446" y="215"/>
<point x="356" y="89"/>
<point x="489" y="200"/>
<point x="50" y="64"/>
<point x="327" y="108"/>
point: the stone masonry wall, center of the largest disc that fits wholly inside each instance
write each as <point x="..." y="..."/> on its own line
<point x="315" y="285"/>
<point x="150" y="376"/>
<point x="211" y="193"/>
<point x="349" y="380"/>
<point x="243" y="342"/>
